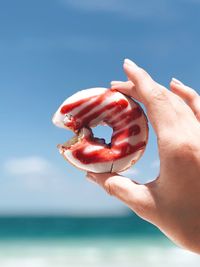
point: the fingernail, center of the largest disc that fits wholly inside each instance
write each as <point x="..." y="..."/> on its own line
<point x="129" y="62"/>
<point x="90" y="178"/>
<point x="115" y="82"/>
<point x="176" y="81"/>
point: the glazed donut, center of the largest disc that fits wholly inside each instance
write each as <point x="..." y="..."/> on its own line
<point x="91" y="107"/>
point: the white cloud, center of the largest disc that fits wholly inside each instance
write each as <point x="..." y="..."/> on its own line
<point x="32" y="173"/>
<point x="96" y="5"/>
<point x="27" y="165"/>
<point x="126" y="8"/>
<point x="34" y="185"/>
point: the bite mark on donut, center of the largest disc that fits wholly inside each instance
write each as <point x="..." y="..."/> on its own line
<point x="124" y="115"/>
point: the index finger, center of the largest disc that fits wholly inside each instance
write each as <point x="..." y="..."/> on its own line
<point x="159" y="102"/>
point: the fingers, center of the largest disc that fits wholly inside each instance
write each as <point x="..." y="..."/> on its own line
<point x="127" y="88"/>
<point x="147" y="89"/>
<point x="136" y="196"/>
<point x="189" y="95"/>
<point x="160" y="103"/>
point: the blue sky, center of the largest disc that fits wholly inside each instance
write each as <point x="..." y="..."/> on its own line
<point x="51" y="49"/>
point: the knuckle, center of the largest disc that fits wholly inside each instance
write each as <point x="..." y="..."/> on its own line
<point x="159" y="94"/>
<point x="140" y="209"/>
<point x="110" y="187"/>
<point x="143" y="209"/>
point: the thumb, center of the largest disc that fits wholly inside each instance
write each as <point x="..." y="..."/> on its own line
<point x="138" y="197"/>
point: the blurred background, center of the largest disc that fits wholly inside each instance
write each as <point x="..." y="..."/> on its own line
<point x="50" y="215"/>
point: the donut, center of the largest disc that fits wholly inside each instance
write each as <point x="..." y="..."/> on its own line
<point x="91" y="107"/>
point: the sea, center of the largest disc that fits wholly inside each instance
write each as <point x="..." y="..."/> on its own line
<point x="63" y="241"/>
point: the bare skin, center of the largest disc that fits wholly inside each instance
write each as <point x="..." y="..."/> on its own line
<point x="172" y="201"/>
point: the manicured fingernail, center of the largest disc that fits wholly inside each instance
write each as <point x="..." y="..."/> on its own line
<point x="115" y="82"/>
<point x="176" y="81"/>
<point x="129" y="62"/>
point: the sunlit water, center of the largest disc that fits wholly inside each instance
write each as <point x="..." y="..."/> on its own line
<point x="95" y="252"/>
<point x="87" y="242"/>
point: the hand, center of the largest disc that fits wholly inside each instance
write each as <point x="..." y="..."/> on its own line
<point x="172" y="201"/>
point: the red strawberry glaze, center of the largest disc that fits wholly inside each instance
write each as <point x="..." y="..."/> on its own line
<point x="105" y="154"/>
<point x="114" y="113"/>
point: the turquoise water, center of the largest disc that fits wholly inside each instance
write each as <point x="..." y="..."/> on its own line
<point x="81" y="242"/>
<point x="74" y="227"/>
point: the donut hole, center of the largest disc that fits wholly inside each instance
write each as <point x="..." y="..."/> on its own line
<point x="103" y="132"/>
